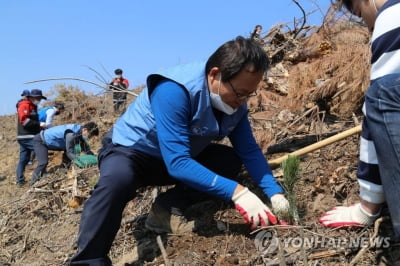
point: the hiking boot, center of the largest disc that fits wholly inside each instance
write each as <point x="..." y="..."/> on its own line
<point x="33" y="180"/>
<point x="161" y="221"/>
<point x="22" y="184"/>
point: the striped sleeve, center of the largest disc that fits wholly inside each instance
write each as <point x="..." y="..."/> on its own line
<point x="386" y="41"/>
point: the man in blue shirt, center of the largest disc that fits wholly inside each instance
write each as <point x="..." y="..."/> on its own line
<point x="167" y="136"/>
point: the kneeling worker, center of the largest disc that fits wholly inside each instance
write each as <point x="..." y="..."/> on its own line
<point x="61" y="138"/>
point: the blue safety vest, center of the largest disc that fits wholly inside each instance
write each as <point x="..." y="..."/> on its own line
<point x="54" y="137"/>
<point x="136" y="127"/>
<point x="42" y="113"/>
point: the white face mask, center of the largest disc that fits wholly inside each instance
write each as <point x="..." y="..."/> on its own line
<point x="36" y="102"/>
<point x="219" y="104"/>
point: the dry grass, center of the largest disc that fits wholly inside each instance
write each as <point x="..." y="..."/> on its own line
<point x="338" y="78"/>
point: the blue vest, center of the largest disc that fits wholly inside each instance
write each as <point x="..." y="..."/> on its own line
<point x="42" y="113"/>
<point x="136" y="127"/>
<point x="54" y="137"/>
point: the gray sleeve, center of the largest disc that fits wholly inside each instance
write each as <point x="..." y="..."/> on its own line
<point x="70" y="140"/>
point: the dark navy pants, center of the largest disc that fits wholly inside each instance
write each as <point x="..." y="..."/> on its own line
<point x="25" y="150"/>
<point x="122" y="172"/>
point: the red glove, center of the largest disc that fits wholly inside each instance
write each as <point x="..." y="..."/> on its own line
<point x="253" y="210"/>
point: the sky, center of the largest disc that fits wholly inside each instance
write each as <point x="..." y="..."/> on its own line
<point x="89" y="39"/>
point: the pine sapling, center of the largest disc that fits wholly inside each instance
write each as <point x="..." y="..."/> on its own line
<point x="291" y="173"/>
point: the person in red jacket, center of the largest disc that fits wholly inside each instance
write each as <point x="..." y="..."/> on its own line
<point x="24" y="96"/>
<point x="28" y="126"/>
<point x="119" y="85"/>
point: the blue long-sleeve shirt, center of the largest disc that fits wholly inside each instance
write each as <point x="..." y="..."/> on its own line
<point x="171" y="107"/>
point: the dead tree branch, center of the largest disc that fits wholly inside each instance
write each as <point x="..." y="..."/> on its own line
<point x="304" y="20"/>
<point x="105" y="87"/>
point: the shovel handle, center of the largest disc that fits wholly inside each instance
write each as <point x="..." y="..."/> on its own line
<point x="277" y="162"/>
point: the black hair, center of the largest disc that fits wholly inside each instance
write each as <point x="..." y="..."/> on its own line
<point x="92" y="128"/>
<point x="347" y="4"/>
<point x="237" y="54"/>
<point x="118" y="71"/>
<point x="254" y="34"/>
<point x="60" y="106"/>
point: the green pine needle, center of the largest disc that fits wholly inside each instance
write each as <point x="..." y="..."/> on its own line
<point x="291" y="173"/>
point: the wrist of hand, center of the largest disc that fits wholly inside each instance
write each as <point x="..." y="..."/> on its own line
<point x="253" y="210"/>
<point x="279" y="203"/>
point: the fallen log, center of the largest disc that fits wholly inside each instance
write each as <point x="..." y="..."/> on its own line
<point x="277" y="162"/>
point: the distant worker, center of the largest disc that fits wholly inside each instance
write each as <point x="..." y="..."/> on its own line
<point x="46" y="114"/>
<point x="119" y="85"/>
<point x="61" y="138"/>
<point x="28" y="127"/>
<point x="24" y="96"/>
<point x="255" y="35"/>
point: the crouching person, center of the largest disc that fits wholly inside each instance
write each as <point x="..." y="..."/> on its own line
<point x="61" y="138"/>
<point x="166" y="137"/>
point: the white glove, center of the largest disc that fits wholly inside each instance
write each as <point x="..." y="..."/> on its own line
<point x="42" y="124"/>
<point x="279" y="203"/>
<point x="253" y="210"/>
<point x="353" y="215"/>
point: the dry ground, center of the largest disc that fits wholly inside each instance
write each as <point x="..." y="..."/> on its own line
<point x="39" y="226"/>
